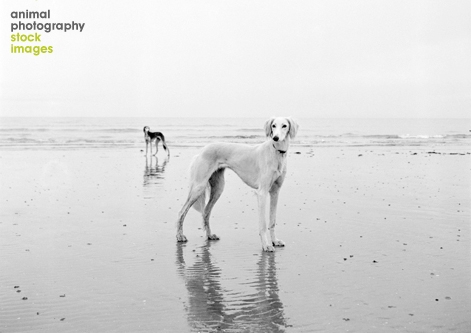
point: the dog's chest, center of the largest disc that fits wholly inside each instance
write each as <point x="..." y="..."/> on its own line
<point x="280" y="166"/>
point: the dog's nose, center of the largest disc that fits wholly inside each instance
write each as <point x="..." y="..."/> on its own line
<point x="275" y="138"/>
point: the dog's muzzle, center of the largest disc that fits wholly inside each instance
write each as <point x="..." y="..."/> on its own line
<point x="275" y="138"/>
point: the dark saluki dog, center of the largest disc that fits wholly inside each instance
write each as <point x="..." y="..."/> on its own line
<point x="154" y="136"/>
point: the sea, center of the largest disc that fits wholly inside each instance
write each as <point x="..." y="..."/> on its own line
<point x="96" y="132"/>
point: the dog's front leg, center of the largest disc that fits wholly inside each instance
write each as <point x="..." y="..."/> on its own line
<point x="273" y="204"/>
<point x="262" y="223"/>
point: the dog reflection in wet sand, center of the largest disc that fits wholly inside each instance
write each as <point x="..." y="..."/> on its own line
<point x="212" y="306"/>
<point x="154" y="172"/>
<point x="262" y="167"/>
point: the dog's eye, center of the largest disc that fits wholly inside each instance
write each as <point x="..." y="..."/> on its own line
<point x="273" y="125"/>
<point x="284" y="126"/>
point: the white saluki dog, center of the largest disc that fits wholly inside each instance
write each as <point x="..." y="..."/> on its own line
<point x="262" y="167"/>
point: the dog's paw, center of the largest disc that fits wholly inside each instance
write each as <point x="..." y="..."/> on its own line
<point x="213" y="237"/>
<point x="279" y="243"/>
<point x="269" y="248"/>
<point x="181" y="238"/>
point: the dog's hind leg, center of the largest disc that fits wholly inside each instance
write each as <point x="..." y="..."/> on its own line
<point x="164" y="144"/>
<point x="195" y="193"/>
<point x="216" y="183"/>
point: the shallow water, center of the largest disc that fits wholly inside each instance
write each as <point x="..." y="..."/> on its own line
<point x="75" y="133"/>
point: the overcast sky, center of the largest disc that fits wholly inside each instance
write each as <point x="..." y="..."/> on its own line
<point x="242" y="58"/>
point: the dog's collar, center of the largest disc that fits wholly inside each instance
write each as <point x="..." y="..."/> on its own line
<point x="280" y="151"/>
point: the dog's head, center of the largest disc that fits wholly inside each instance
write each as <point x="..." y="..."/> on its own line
<point x="146" y="129"/>
<point x="278" y="128"/>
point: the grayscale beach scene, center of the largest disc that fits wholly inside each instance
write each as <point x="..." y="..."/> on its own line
<point x="344" y="126"/>
<point x="375" y="221"/>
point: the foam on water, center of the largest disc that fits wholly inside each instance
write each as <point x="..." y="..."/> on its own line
<point x="45" y="133"/>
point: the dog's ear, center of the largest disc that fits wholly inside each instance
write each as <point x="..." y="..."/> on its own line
<point x="268" y="124"/>
<point x="144" y="129"/>
<point x="293" y="127"/>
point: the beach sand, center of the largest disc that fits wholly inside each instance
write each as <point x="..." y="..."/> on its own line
<point x="377" y="240"/>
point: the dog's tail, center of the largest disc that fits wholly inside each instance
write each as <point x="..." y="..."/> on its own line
<point x="200" y="203"/>
<point x="162" y="138"/>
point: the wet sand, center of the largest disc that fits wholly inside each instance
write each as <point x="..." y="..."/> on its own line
<point x="378" y="240"/>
